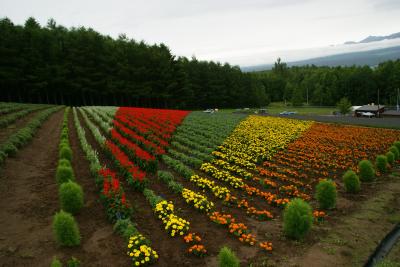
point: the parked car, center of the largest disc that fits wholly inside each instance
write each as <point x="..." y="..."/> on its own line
<point x="209" y="110"/>
<point x="288" y="112"/>
<point x="367" y="114"/>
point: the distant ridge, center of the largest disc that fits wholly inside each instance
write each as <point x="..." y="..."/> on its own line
<point x="370" y="58"/>
<point x="371" y="39"/>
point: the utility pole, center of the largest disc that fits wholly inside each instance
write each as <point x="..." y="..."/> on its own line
<point x="398" y="95"/>
<point x="378" y="104"/>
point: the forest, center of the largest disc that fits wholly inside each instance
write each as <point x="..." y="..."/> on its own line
<point x="79" y="66"/>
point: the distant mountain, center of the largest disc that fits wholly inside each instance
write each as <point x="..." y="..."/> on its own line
<point x="370" y="58"/>
<point x="371" y="39"/>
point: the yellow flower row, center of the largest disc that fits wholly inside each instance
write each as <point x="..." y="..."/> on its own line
<point x="222" y="175"/>
<point x="198" y="201"/>
<point x="140" y="252"/>
<point x="247" y="164"/>
<point x="232" y="168"/>
<point x="173" y="224"/>
<point x="259" y="138"/>
<point x="219" y="191"/>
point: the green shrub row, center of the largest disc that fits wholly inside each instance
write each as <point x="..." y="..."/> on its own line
<point x="178" y="166"/>
<point x="193" y="153"/>
<point x="19" y="139"/>
<point x="168" y="179"/>
<point x="191" y="144"/>
<point x="191" y="161"/>
<point x="93" y="128"/>
<point x="11" y="118"/>
<point x="151" y="197"/>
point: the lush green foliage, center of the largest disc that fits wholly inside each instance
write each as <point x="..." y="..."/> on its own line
<point x="65" y="153"/>
<point x="66" y="231"/>
<point x="73" y="262"/>
<point x="64" y="174"/>
<point x="390" y="157"/>
<point x="178" y="166"/>
<point x="168" y="179"/>
<point x="397" y="144"/>
<point x="367" y="172"/>
<point x="326" y="194"/>
<point x="351" y="182"/>
<point x="344" y="105"/>
<point x="297" y="219"/>
<point x="381" y="163"/>
<point x="125" y="228"/>
<point x="395" y="151"/>
<point x="227" y="258"/>
<point x="55" y="263"/>
<point x="71" y="197"/>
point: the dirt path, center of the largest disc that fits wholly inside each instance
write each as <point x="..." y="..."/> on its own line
<point x="29" y="199"/>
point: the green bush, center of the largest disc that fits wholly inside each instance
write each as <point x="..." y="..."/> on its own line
<point x="326" y="194"/>
<point x="397" y="144"/>
<point x="297" y="219"/>
<point x="64" y="174"/>
<point x="56" y="263"/>
<point x="64" y="162"/>
<point x="367" y="172"/>
<point x="73" y="262"/>
<point x="390" y="157"/>
<point x="381" y="163"/>
<point x="71" y="197"/>
<point x="227" y="258"/>
<point x="395" y="151"/>
<point x="66" y="230"/>
<point x="10" y="149"/>
<point x="351" y="182"/>
<point x="66" y="153"/>
<point x="125" y="228"/>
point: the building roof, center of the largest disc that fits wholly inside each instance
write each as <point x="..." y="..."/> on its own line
<point x="370" y="108"/>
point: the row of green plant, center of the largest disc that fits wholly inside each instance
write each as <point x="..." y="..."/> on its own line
<point x="72" y="262"/>
<point x="66" y="230"/>
<point x="101" y="121"/>
<point x="191" y="152"/>
<point x="22" y="137"/>
<point x="116" y="213"/>
<point x="188" y="160"/>
<point x="11" y="118"/>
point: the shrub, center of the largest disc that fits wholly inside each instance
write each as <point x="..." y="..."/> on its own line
<point x="367" y="172"/>
<point x="326" y="194"/>
<point x="297" y="219"/>
<point x="125" y="228"/>
<point x="71" y="197"/>
<point x="66" y="230"/>
<point x="73" y="262"/>
<point x="381" y="163"/>
<point x="56" y="263"/>
<point x="227" y="258"/>
<point x="395" y="151"/>
<point x="390" y="157"/>
<point x="351" y="182"/>
<point x="397" y="144"/>
<point x="64" y="174"/>
<point x="66" y="153"/>
<point x="10" y="149"/>
<point x="64" y="162"/>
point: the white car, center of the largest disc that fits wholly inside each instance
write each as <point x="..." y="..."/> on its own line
<point x="367" y="114"/>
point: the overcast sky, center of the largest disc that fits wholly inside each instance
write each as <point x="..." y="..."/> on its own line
<point x="245" y="32"/>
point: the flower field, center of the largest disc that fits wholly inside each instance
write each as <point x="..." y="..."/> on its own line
<point x="176" y="185"/>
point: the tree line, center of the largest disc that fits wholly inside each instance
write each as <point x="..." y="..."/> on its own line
<point x="79" y="66"/>
<point x="325" y="86"/>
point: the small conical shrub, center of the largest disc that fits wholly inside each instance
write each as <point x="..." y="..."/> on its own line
<point x="397" y="144"/>
<point x="326" y="194"/>
<point x="351" y="182"/>
<point x="390" y="157"/>
<point x="367" y="172"/>
<point x="297" y="219"/>
<point x="65" y="229"/>
<point x="395" y="151"/>
<point x="64" y="162"/>
<point x="64" y="174"/>
<point x="66" y="153"/>
<point x="56" y="263"/>
<point x="71" y="197"/>
<point x="381" y="163"/>
<point x="227" y="258"/>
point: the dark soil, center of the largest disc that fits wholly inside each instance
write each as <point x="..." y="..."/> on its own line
<point x="29" y="199"/>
